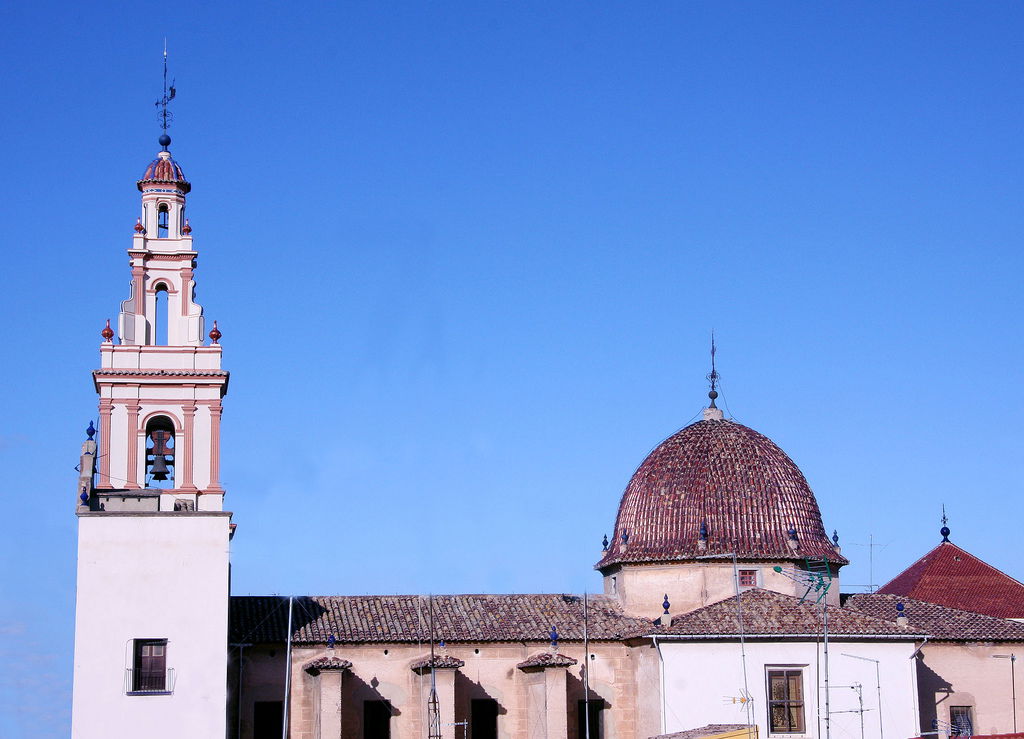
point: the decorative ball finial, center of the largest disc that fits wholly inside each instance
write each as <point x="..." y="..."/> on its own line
<point x="835" y="537"/>
<point x="666" y="605"/>
<point x="164" y="141"/>
<point x="91" y="431"/>
<point x="139" y="228"/>
<point x="215" y="333"/>
<point x="945" y="533"/>
<point x="604" y="543"/>
<point x="187" y="228"/>
<point x="554" y="639"/>
<point x="899" y="609"/>
<point x="792" y="533"/>
<point x="84" y="497"/>
<point x="625" y="538"/>
<point x="107" y="333"/>
<point x="703" y="530"/>
<point x="330" y="641"/>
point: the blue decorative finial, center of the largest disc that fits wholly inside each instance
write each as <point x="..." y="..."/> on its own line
<point x="792" y="533"/>
<point x="330" y="641"/>
<point x="625" y="538"/>
<point x="835" y="536"/>
<point x="899" y="609"/>
<point x="604" y="543"/>
<point x="666" y="605"/>
<point x="84" y="497"/>
<point x="703" y="530"/>
<point x="554" y="639"/>
<point x="91" y="431"/>
<point x="945" y="529"/>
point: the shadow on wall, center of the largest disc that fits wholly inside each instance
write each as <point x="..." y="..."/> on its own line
<point x="930" y="685"/>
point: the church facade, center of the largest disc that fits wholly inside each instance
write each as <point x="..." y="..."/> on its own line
<point x="721" y="605"/>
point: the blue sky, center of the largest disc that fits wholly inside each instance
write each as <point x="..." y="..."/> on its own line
<point x="466" y="258"/>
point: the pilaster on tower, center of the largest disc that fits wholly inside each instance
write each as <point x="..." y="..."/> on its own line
<point x="161" y="385"/>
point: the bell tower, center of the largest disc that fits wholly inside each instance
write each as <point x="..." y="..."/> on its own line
<point x="151" y="613"/>
<point x="161" y="385"/>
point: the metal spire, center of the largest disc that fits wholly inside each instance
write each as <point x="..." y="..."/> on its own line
<point x="713" y="375"/>
<point x="165" y="116"/>
<point x="945" y="529"/>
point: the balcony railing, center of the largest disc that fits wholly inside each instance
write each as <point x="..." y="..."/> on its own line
<point x="148" y="683"/>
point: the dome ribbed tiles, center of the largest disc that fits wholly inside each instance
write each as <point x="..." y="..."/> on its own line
<point x="162" y="170"/>
<point x="737" y="481"/>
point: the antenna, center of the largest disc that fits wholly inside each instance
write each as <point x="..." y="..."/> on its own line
<point x="165" y="116"/>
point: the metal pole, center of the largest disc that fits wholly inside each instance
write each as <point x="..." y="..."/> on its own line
<point x="878" y="687"/>
<point x="287" y="672"/>
<point x="860" y="704"/>
<point x="828" y="715"/>
<point x="1013" y="689"/>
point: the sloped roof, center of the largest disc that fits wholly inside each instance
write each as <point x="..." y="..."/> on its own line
<point x="941" y="623"/>
<point x="439" y="662"/>
<point x="164" y="170"/>
<point x="953" y="577"/>
<point x="356" y="619"/>
<point x="546" y="659"/>
<point x="769" y="614"/>
<point x="325" y="664"/>
<point x="736" y="482"/>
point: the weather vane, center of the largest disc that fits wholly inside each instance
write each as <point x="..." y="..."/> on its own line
<point x="165" y="115"/>
<point x="713" y="375"/>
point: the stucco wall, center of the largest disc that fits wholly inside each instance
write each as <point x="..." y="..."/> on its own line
<point x="967" y="675"/>
<point x="701" y="678"/>
<point x="618" y="672"/>
<point x="151" y="576"/>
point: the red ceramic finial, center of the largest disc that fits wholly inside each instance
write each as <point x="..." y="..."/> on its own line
<point x="107" y="333"/>
<point x="215" y="334"/>
<point x="187" y="228"/>
<point x="139" y="228"/>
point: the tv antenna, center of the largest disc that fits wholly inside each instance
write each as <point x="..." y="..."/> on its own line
<point x="817" y="577"/>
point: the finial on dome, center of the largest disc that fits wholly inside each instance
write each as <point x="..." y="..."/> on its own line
<point x="604" y="543"/>
<point x="215" y="333"/>
<point x="713" y="412"/>
<point x="165" y="115"/>
<point x="945" y="529"/>
<point x="835" y="537"/>
<point x="187" y="228"/>
<point x="107" y="333"/>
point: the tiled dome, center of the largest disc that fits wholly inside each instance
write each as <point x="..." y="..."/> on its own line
<point x="164" y="170"/>
<point x="736" y="482"/>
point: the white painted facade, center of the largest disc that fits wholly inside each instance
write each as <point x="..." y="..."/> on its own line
<point x="153" y="569"/>
<point x="151" y="575"/>
<point x="701" y="679"/>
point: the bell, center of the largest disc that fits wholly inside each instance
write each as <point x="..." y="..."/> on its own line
<point x="159" y="467"/>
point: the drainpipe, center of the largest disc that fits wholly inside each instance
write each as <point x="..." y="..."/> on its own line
<point x="661" y="659"/>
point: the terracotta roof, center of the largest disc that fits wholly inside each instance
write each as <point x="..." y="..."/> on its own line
<point x="941" y="623"/>
<point x="706" y="732"/>
<point x="770" y="614"/>
<point x="357" y="619"/>
<point x="952" y="577"/>
<point x="323" y="664"/>
<point x="164" y="170"/>
<point x="546" y="659"/>
<point x="440" y="662"/>
<point x="738" y="482"/>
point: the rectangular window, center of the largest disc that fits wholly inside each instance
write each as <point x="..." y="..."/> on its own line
<point x="961" y="723"/>
<point x="483" y="718"/>
<point x="595" y="705"/>
<point x="748" y="578"/>
<point x="785" y="701"/>
<point x="149" y="667"/>
<point x="267" y="719"/>
<point x="376" y="720"/>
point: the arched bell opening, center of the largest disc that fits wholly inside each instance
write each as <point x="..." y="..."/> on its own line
<point x="163" y="221"/>
<point x="160" y="453"/>
<point x="161" y="315"/>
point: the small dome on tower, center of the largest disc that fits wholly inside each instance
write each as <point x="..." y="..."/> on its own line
<point x="717" y="487"/>
<point x="165" y="171"/>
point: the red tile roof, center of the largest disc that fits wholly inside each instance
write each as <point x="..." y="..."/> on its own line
<point x="737" y="481"/>
<point x="766" y="613"/>
<point x="360" y="619"/>
<point x="941" y="623"/>
<point x="952" y="577"/>
<point x="711" y="730"/>
<point x="546" y="659"/>
<point x="439" y="662"/>
<point x="165" y="171"/>
<point x="323" y="664"/>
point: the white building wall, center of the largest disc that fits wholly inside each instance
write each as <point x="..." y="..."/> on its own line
<point x="702" y="678"/>
<point x="159" y="576"/>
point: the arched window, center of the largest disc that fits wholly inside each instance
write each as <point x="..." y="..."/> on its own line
<point x="160" y="453"/>
<point x="162" y="221"/>
<point x="161" y="316"/>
